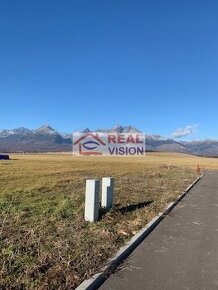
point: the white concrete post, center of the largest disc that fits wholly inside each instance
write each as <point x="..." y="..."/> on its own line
<point x="92" y="200"/>
<point x="107" y="192"/>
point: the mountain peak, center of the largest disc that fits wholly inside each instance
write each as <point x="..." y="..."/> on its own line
<point x="125" y="129"/>
<point x="46" y="129"/>
<point x="22" y="130"/>
<point x="121" y="129"/>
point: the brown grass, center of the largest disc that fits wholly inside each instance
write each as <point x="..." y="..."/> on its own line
<point x="45" y="242"/>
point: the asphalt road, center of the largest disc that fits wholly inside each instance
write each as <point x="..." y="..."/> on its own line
<point x="182" y="252"/>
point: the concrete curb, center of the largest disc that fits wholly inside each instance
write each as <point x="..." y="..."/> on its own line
<point x="98" y="279"/>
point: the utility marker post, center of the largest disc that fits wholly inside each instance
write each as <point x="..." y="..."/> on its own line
<point x="92" y="200"/>
<point x="107" y="192"/>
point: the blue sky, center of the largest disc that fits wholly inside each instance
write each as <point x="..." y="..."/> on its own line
<point x="76" y="63"/>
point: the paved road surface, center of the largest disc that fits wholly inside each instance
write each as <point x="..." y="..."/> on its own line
<point x="182" y="252"/>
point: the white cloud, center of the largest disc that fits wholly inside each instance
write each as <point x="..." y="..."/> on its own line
<point x="186" y="131"/>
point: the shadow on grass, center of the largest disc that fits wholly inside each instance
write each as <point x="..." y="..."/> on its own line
<point x="125" y="209"/>
<point x="133" y="207"/>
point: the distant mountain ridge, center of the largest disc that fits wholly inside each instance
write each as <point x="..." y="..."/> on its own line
<point x="120" y="129"/>
<point x="47" y="139"/>
<point x="43" y="139"/>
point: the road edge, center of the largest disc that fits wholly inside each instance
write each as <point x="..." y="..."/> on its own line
<point x="98" y="279"/>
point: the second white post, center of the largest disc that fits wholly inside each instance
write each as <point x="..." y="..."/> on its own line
<point x="107" y="192"/>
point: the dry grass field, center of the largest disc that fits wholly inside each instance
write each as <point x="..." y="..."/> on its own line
<point x="45" y="242"/>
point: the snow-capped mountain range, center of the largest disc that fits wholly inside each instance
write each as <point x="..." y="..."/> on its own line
<point x="46" y="138"/>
